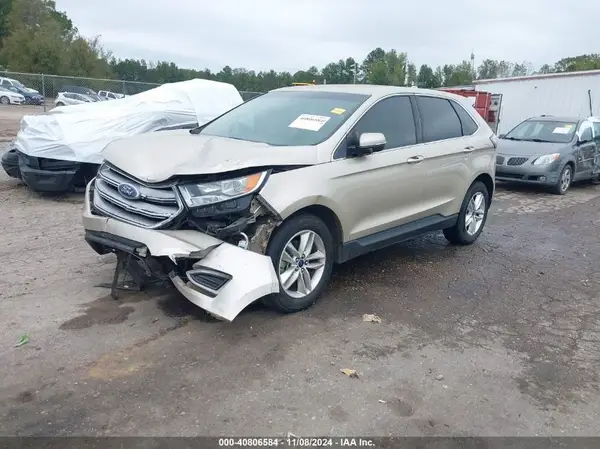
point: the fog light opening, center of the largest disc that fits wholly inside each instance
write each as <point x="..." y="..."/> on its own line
<point x="542" y="178"/>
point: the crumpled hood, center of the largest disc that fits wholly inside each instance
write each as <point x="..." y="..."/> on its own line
<point x="529" y="149"/>
<point x="155" y="157"/>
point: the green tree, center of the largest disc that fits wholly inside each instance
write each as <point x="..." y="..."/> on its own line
<point x="427" y="79"/>
<point x="578" y="63"/>
<point x="5" y="8"/>
<point x="545" y="69"/>
<point x="411" y="74"/>
<point x="389" y="70"/>
<point x="458" y="75"/>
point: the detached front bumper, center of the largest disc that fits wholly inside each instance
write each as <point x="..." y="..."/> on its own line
<point x="224" y="279"/>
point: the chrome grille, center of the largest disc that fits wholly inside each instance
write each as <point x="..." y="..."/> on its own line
<point x="155" y="207"/>
<point x="499" y="160"/>
<point x="516" y="161"/>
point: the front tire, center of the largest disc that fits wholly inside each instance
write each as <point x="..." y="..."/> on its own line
<point x="472" y="216"/>
<point x="60" y="103"/>
<point x="302" y="250"/>
<point x="4" y="100"/>
<point x="564" y="181"/>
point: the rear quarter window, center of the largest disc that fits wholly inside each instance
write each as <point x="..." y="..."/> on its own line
<point x="468" y="124"/>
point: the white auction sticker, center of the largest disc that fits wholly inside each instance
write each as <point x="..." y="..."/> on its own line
<point x="562" y="130"/>
<point x="309" y="122"/>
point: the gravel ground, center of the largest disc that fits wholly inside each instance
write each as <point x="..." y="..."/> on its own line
<point x="10" y="118"/>
<point x="500" y="338"/>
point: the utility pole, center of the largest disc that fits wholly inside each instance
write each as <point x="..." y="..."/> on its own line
<point x="473" y="64"/>
<point x="355" y="71"/>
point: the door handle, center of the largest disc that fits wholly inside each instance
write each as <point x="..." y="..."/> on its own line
<point x="468" y="149"/>
<point x="415" y="159"/>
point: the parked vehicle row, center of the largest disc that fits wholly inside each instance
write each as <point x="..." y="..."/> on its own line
<point x="8" y="82"/>
<point x="257" y="201"/>
<point x="13" y="92"/>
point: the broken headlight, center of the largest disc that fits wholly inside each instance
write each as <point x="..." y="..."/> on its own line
<point x="199" y="195"/>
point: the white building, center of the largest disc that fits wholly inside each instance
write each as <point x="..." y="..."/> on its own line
<point x="564" y="94"/>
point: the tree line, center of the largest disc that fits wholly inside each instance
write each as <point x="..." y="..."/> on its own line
<point x="36" y="38"/>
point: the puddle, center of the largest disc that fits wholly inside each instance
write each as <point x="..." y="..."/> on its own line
<point x="104" y="310"/>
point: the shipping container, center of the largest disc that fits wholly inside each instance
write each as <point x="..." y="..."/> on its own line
<point x="565" y="94"/>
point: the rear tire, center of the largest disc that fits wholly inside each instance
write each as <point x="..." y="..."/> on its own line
<point x="564" y="181"/>
<point x="302" y="250"/>
<point x="472" y="216"/>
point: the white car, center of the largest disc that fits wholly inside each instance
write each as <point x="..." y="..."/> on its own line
<point x="10" y="97"/>
<point x="69" y="98"/>
<point x="108" y="95"/>
<point x="5" y="82"/>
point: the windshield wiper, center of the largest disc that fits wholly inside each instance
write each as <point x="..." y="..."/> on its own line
<point x="198" y="129"/>
<point x="538" y="140"/>
<point x="511" y="138"/>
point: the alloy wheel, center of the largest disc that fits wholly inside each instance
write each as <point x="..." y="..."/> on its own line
<point x="475" y="213"/>
<point x="302" y="264"/>
<point x="565" y="179"/>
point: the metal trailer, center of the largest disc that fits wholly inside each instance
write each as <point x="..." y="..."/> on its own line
<point x="487" y="104"/>
<point x="564" y="94"/>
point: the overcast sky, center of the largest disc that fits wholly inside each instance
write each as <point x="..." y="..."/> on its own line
<point x="293" y="35"/>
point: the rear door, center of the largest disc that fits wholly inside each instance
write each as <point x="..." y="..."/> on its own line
<point x="451" y="146"/>
<point x="383" y="190"/>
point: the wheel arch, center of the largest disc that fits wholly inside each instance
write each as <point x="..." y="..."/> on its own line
<point x="329" y="217"/>
<point x="487" y="181"/>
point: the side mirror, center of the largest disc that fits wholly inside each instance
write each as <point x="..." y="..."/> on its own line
<point x="501" y="136"/>
<point x="367" y="144"/>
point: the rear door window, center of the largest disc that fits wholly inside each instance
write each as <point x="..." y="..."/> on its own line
<point x="439" y="119"/>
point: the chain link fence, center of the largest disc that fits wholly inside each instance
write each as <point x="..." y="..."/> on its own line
<point x="41" y="91"/>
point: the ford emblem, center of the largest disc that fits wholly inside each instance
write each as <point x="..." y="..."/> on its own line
<point x="129" y="191"/>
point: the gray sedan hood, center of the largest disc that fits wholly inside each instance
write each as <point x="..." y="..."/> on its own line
<point x="529" y="149"/>
<point x="155" y="157"/>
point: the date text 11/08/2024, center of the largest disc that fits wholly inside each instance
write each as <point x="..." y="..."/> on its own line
<point x="296" y="442"/>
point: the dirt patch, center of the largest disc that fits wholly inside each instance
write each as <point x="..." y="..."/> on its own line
<point x="105" y="310"/>
<point x="10" y="117"/>
<point x="24" y="397"/>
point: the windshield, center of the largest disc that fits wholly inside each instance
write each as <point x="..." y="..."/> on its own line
<point x="543" y="131"/>
<point x="287" y="118"/>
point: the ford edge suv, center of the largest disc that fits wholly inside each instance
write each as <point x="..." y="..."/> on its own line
<point x="261" y="202"/>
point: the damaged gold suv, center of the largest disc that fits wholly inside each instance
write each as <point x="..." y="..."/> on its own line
<point x="261" y="202"/>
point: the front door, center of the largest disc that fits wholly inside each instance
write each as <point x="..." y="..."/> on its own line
<point x="586" y="151"/>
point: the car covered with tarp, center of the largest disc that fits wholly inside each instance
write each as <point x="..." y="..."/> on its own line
<point x="62" y="150"/>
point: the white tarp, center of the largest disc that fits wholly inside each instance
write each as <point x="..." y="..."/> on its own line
<point x="80" y="132"/>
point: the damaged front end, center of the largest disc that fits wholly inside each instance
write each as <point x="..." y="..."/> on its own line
<point x="214" y="254"/>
